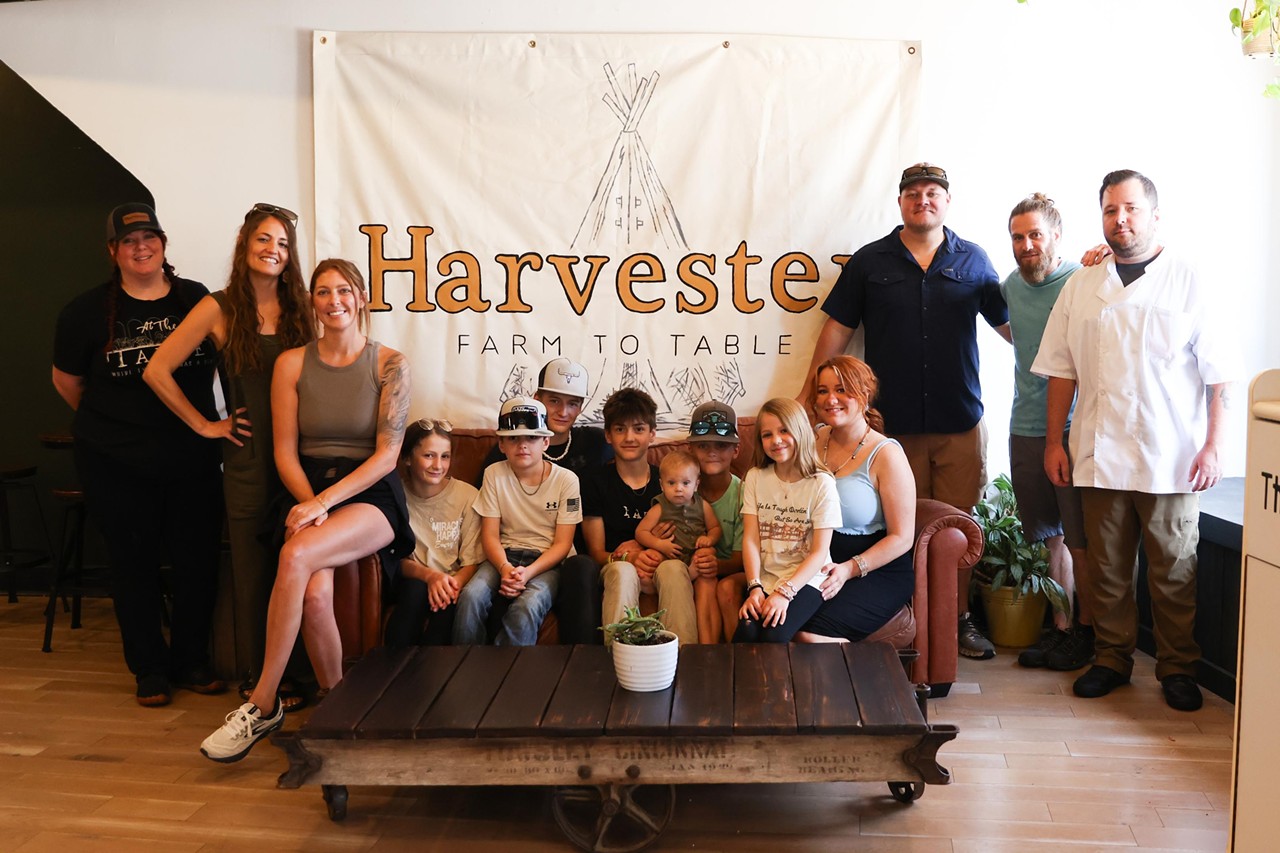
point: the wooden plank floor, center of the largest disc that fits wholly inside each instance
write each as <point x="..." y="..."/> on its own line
<point x="83" y="768"/>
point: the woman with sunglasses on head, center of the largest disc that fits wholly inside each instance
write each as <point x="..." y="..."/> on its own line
<point x="151" y="484"/>
<point x="339" y="406"/>
<point x="262" y="312"/>
<point x="447" y="531"/>
<point x="871" y="576"/>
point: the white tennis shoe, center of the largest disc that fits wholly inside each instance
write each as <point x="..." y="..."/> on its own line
<point x="244" y="727"/>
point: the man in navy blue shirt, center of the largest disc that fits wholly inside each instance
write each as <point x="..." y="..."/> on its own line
<point x="917" y="292"/>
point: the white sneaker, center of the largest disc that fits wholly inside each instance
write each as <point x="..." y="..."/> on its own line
<point x="244" y="727"/>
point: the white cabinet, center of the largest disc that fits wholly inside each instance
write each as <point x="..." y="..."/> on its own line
<point x="1255" y="824"/>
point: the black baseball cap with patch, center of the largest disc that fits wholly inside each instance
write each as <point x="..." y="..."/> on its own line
<point x="134" y="216"/>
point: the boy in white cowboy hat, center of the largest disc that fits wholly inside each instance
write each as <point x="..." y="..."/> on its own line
<point x="529" y="510"/>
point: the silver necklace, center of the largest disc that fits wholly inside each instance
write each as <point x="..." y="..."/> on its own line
<point x="542" y="478"/>
<point x="639" y="491"/>
<point x="547" y="454"/>
<point x="827" y="447"/>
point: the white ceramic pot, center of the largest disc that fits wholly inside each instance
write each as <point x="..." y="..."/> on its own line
<point x="645" y="669"/>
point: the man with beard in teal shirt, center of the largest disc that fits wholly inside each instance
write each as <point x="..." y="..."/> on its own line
<point x="1049" y="513"/>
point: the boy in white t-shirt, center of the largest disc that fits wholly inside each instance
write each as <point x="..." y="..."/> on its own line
<point x="529" y="510"/>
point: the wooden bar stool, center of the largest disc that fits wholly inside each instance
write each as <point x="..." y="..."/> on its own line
<point x="17" y="480"/>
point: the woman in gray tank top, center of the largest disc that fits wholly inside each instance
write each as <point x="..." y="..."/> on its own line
<point x="339" y="406"/>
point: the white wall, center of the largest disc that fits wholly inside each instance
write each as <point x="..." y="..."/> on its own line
<point x="209" y="104"/>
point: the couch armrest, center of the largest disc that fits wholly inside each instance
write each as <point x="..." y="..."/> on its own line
<point x="947" y="540"/>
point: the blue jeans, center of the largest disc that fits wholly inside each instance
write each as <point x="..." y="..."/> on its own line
<point x="482" y="613"/>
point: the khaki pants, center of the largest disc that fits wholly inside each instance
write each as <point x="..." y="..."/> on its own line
<point x="675" y="595"/>
<point x="1169" y="527"/>
<point x="949" y="467"/>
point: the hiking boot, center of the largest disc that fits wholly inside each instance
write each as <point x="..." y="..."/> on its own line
<point x="1074" y="652"/>
<point x="244" y="727"/>
<point x="972" y="643"/>
<point x="1035" y="656"/>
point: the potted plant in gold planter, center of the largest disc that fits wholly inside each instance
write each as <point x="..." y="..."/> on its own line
<point x="644" y="651"/>
<point x="1013" y="575"/>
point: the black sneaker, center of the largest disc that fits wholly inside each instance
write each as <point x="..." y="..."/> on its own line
<point x="1036" y="656"/>
<point x="972" y="643"/>
<point x="154" y="691"/>
<point x="1181" y="692"/>
<point x="201" y="679"/>
<point x="1098" y="681"/>
<point x="1074" y="652"/>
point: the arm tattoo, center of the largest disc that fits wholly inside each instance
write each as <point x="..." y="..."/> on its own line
<point x="1220" y="392"/>
<point x="393" y="405"/>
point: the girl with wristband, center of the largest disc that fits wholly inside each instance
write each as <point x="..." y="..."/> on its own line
<point x="789" y="508"/>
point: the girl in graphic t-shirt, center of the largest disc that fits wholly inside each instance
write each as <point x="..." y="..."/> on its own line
<point x="789" y="508"/>
<point x="447" y="530"/>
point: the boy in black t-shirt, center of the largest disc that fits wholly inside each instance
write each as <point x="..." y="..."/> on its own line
<point x="615" y="497"/>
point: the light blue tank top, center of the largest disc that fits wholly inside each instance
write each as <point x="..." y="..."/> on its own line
<point x="860" y="507"/>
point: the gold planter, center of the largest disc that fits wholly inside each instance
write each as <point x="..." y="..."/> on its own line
<point x="1011" y="623"/>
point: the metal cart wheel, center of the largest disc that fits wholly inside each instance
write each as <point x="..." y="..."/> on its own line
<point x="335" y="797"/>
<point x="613" y="818"/>
<point x="906" y="792"/>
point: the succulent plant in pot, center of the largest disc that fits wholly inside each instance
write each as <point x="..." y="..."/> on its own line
<point x="644" y="651"/>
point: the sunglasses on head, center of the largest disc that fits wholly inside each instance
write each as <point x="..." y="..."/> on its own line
<point x="431" y="425"/>
<point x="522" y="419"/>
<point x="262" y="207"/>
<point x="714" y="422"/>
<point x="924" y="172"/>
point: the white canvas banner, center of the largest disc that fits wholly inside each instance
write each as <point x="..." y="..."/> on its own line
<point x="668" y="210"/>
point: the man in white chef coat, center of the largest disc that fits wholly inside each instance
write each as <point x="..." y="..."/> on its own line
<point x="1133" y="338"/>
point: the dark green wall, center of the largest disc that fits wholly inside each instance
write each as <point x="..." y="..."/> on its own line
<point x="56" y="188"/>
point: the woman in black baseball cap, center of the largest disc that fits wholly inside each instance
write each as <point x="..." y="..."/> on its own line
<point x="152" y="485"/>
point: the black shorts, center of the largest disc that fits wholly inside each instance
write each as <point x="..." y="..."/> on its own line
<point x="387" y="495"/>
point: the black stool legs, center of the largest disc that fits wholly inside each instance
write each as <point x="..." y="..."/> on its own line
<point x="68" y="577"/>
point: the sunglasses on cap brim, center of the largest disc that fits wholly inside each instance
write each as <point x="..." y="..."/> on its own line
<point x="924" y="172"/>
<point x="715" y="422"/>
<point x="521" y="419"/>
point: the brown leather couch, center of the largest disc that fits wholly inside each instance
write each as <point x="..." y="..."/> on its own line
<point x="947" y="540"/>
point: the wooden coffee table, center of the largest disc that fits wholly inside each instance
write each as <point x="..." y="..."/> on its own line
<point x="555" y="716"/>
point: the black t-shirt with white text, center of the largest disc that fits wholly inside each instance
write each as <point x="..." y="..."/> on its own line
<point x="606" y="496"/>
<point x="119" y="415"/>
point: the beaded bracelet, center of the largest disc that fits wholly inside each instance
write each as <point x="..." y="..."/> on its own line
<point x="861" y="562"/>
<point x="787" y="590"/>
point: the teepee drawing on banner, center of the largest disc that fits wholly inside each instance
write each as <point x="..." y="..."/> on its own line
<point x="630" y="195"/>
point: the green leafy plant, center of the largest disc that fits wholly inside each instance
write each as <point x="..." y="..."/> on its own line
<point x="636" y="630"/>
<point x="1008" y="559"/>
